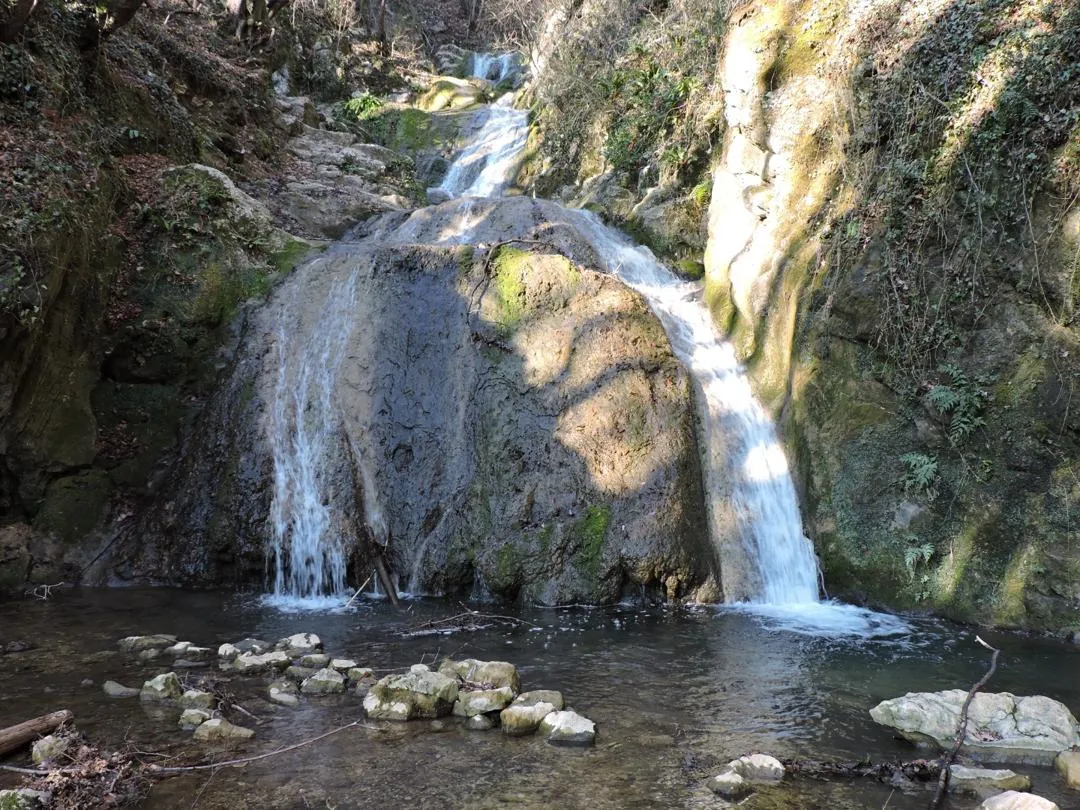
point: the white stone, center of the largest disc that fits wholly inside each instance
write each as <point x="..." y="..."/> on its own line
<point x="758" y="768"/>
<point x="137" y="644"/>
<point x="192" y="718"/>
<point x="228" y="651"/>
<point x="1067" y="764"/>
<point x="299" y="644"/>
<point x="519" y="720"/>
<point x="540" y="696"/>
<point x="1001" y="726"/>
<point x="284" y="692"/>
<point x="728" y="784"/>
<point x="314" y="660"/>
<point x="1012" y="800"/>
<point x="49" y="748"/>
<point x="342" y="664"/>
<point x="568" y="728"/>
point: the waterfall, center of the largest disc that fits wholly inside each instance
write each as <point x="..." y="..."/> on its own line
<point x="307" y="548"/>
<point x="740" y="444"/>
<point x="493" y="67"/>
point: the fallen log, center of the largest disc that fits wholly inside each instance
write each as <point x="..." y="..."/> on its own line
<point x="15" y="737"/>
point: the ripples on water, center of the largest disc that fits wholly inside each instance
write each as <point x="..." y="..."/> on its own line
<point x="675" y="692"/>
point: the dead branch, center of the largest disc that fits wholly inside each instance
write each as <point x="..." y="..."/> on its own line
<point x="469" y="621"/>
<point x="162" y="770"/>
<point x="961" y="728"/>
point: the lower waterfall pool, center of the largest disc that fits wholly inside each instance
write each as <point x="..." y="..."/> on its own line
<point x="675" y="692"/>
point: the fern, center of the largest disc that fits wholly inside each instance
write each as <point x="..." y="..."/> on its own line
<point x="921" y="474"/>
<point x="916" y="555"/>
<point x="961" y="401"/>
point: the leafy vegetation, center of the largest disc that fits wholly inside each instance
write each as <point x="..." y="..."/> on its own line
<point x="920" y="476"/>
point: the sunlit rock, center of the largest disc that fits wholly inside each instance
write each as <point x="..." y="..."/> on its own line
<point x="568" y="728"/>
<point x="192" y="718"/>
<point x="284" y="692"/>
<point x="494" y="673"/>
<point x="163" y="687"/>
<point x="250" y="662"/>
<point x="482" y="701"/>
<point x="413" y="694"/>
<point x="758" y="768"/>
<point x="324" y="682"/>
<point x="1012" y="800"/>
<point x="519" y="720"/>
<point x="1001" y="726"/>
<point x="49" y="748"/>
<point x="1067" y="764"/>
<point x="729" y="784"/>
<point x="197" y="699"/>
<point x="137" y="644"/>
<point x="535" y="696"/>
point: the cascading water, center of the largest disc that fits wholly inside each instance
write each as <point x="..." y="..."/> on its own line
<point x="746" y="472"/>
<point x="493" y="67"/>
<point x="308" y="555"/>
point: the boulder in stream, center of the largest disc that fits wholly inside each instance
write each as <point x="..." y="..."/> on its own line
<point x="324" y="682"/>
<point x="138" y="644"/>
<point x="220" y="729"/>
<point x="197" y="699"/>
<point x="1001" y="726"/>
<point x="285" y="692"/>
<point x="518" y="720"/>
<point x="250" y="662"/>
<point x="534" y="696"/>
<point x="417" y="693"/>
<point x="193" y="718"/>
<point x="568" y="728"/>
<point x="162" y="687"/>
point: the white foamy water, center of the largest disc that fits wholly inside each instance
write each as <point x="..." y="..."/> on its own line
<point x="495" y="67"/>
<point x="488" y="163"/>
<point x="308" y="554"/>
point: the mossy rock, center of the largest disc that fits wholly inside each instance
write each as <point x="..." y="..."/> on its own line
<point x="449" y="93"/>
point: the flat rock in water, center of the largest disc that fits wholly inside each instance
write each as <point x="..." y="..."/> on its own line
<point x="324" y="682"/>
<point x="568" y="728"/>
<point x="252" y="662"/>
<point x="342" y="664"/>
<point x="482" y="701"/>
<point x="540" y="696"/>
<point x="519" y="720"/>
<point x="972" y="780"/>
<point x="284" y="692"/>
<point x="221" y="729"/>
<point x="163" y="687"/>
<point x="137" y="644"/>
<point x="480" y="722"/>
<point x="1012" y="800"/>
<point x="1067" y="764"/>
<point x="118" y="690"/>
<point x="417" y="693"/>
<point x="495" y="673"/>
<point x="1001" y="726"/>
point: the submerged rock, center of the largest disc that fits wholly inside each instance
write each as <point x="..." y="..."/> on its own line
<point x="568" y="728"/>
<point x="480" y="722"/>
<point x="163" y="687"/>
<point x="324" y="682"/>
<point x="1001" y="726"/>
<point x="729" y="784"/>
<point x="1012" y="800"/>
<point x="972" y="780"/>
<point x="414" y="694"/>
<point x="220" y="729"/>
<point x="118" y="690"/>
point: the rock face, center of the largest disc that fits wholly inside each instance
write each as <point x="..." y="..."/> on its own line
<point x="1001" y="727"/>
<point x="415" y="694"/>
<point x="531" y="435"/>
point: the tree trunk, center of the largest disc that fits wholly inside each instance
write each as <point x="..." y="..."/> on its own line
<point x="15" y="737"/>
<point x="14" y="14"/>
<point x="238" y="13"/>
<point x="384" y="38"/>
